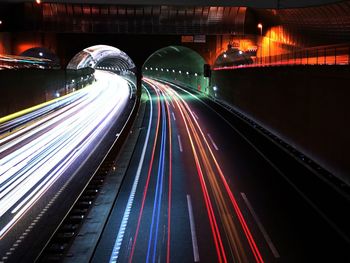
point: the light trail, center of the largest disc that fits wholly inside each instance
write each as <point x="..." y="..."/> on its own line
<point x="170" y="184"/>
<point x="146" y="185"/>
<point x="211" y="175"/>
<point x="160" y="176"/>
<point x="159" y="192"/>
<point x="252" y="243"/>
<point x="33" y="158"/>
<point x="121" y="232"/>
<point x="213" y="222"/>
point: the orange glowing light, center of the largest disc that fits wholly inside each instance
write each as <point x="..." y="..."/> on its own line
<point x="260" y="25"/>
<point x="38" y="2"/>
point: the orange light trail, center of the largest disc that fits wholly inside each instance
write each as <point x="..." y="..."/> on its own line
<point x="213" y="223"/>
<point x="200" y="148"/>
<point x="247" y="232"/>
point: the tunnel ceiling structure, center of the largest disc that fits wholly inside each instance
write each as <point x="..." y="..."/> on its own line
<point x="328" y="21"/>
<point x="142" y="19"/>
<point x="176" y="57"/>
<point x="327" y="18"/>
<point x="193" y="17"/>
<point x="102" y="56"/>
<point x="177" y="64"/>
<point x="246" y="3"/>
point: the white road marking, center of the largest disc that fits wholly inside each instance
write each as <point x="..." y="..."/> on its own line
<point x="172" y="103"/>
<point x="261" y="227"/>
<point x="180" y="144"/>
<point x="121" y="232"/>
<point x="213" y="143"/>
<point x="173" y="116"/>
<point x="193" y="230"/>
<point x="195" y="115"/>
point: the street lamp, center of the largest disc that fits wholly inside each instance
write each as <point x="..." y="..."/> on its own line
<point x="260" y="26"/>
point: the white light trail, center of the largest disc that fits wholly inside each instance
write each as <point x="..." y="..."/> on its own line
<point x="34" y="157"/>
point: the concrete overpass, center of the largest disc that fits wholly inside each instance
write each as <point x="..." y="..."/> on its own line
<point x="245" y="3"/>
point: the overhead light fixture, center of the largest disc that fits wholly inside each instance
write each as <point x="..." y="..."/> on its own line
<point x="260" y="26"/>
<point x="38" y="2"/>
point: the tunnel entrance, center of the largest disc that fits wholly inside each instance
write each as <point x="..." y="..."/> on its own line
<point x="177" y="64"/>
<point x="107" y="58"/>
<point x="42" y="53"/>
<point x="102" y="57"/>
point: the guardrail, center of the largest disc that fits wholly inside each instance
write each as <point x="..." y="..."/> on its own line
<point x="322" y="55"/>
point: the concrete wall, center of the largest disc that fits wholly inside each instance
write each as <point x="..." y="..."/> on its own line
<point x="24" y="88"/>
<point x="307" y="106"/>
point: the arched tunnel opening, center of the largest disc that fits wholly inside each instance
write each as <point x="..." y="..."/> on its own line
<point x="102" y="57"/>
<point x="44" y="54"/>
<point x="105" y="58"/>
<point x="178" y="64"/>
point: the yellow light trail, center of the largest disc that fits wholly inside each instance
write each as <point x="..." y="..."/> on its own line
<point x="36" y="107"/>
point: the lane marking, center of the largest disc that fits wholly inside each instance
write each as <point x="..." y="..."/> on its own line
<point x="173" y="116"/>
<point x="212" y="142"/>
<point x="123" y="224"/>
<point x="180" y="144"/>
<point x="261" y="227"/>
<point x="150" y="167"/>
<point x="195" y="115"/>
<point x="193" y="230"/>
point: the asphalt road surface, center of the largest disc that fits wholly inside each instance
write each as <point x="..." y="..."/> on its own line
<point x="197" y="191"/>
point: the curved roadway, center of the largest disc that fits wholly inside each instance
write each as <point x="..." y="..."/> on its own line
<point x="197" y="191"/>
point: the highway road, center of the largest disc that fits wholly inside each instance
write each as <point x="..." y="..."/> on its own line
<point x="197" y="190"/>
<point x="45" y="158"/>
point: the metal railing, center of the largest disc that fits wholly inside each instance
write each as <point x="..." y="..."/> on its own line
<point x="321" y="55"/>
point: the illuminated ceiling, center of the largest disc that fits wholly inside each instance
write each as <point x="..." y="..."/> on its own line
<point x="101" y="55"/>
